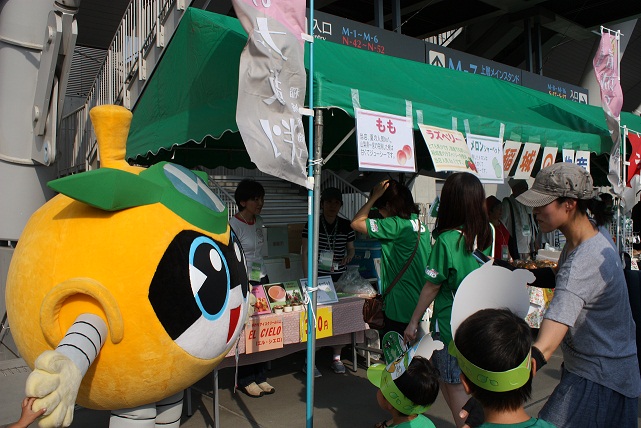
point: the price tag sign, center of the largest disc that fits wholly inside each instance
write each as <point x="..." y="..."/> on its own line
<point x="323" y="323"/>
<point x="263" y="333"/>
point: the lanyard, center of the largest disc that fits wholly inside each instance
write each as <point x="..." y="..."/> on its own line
<point x="330" y="239"/>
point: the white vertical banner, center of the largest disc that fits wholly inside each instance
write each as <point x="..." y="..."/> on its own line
<point x="385" y="141"/>
<point x="568" y="155"/>
<point x="526" y="162"/>
<point x="510" y="153"/>
<point x="549" y="156"/>
<point x="487" y="154"/>
<point x="582" y="159"/>
<point x="272" y="86"/>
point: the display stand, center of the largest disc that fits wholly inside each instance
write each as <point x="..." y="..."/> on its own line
<point x="348" y="328"/>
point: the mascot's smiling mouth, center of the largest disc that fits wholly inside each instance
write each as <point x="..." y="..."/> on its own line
<point x="234" y="314"/>
<point x="200" y="290"/>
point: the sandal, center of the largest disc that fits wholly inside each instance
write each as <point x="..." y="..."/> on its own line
<point x="252" y="390"/>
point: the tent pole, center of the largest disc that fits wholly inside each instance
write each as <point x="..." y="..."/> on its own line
<point x="313" y="238"/>
<point x="312" y="227"/>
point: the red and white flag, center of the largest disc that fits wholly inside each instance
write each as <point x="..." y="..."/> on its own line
<point x="272" y="86"/>
<point x="635" y="157"/>
<point x="606" y="69"/>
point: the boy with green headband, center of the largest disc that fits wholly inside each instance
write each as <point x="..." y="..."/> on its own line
<point x="494" y="350"/>
<point x="408" y="385"/>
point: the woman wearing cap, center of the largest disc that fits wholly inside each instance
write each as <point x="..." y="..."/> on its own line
<point x="398" y="234"/>
<point x="335" y="250"/>
<point x="590" y="314"/>
<point x="462" y="226"/>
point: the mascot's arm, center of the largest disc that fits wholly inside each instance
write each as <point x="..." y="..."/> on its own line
<point x="57" y="374"/>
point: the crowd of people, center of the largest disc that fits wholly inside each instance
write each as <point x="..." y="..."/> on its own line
<point x="589" y="317"/>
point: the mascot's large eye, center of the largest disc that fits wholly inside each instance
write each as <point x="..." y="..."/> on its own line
<point x="189" y="184"/>
<point x="240" y="257"/>
<point x="200" y="293"/>
<point x="209" y="277"/>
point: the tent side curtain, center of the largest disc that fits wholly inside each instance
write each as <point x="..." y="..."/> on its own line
<point x="190" y="101"/>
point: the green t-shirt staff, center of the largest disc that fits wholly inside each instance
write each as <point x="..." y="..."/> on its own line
<point x="397" y="231"/>
<point x="398" y="238"/>
<point x="448" y="265"/>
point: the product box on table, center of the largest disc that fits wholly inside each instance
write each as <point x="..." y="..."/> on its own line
<point x="368" y="258"/>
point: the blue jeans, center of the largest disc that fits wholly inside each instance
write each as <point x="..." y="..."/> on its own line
<point x="446" y="364"/>
<point x="578" y="402"/>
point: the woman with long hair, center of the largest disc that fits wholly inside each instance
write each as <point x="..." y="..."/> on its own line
<point x="398" y="233"/>
<point x="462" y="226"/>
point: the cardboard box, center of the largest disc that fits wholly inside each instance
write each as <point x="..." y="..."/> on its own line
<point x="276" y="241"/>
<point x="295" y="237"/>
<point x="284" y="268"/>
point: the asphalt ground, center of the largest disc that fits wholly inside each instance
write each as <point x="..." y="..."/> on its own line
<point x="340" y="400"/>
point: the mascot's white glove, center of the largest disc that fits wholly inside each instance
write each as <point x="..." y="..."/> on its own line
<point x="55" y="381"/>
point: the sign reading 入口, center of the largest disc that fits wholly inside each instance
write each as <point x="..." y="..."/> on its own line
<point x="263" y="333"/>
<point x="385" y="142"/>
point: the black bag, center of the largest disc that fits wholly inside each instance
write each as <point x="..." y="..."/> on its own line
<point x="373" y="312"/>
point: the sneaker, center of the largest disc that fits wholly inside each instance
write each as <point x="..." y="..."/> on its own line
<point x="317" y="372"/>
<point x="252" y="390"/>
<point x="267" y="388"/>
<point x="338" y="366"/>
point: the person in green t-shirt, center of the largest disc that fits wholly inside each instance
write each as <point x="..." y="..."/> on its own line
<point x="398" y="235"/>
<point x="462" y="225"/>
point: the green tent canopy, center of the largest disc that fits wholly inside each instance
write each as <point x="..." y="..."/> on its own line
<point x="188" y="108"/>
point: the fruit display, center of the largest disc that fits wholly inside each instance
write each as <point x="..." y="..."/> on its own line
<point x="533" y="264"/>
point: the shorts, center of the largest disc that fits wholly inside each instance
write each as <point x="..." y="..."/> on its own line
<point x="446" y="364"/>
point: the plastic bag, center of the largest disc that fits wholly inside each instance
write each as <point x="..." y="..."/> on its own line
<point x="353" y="283"/>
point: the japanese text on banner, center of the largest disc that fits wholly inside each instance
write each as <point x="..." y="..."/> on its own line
<point x="263" y="333"/>
<point x="448" y="149"/>
<point x="527" y="160"/>
<point x="324" y="323"/>
<point x="510" y="152"/>
<point x="487" y="153"/>
<point x="385" y="142"/>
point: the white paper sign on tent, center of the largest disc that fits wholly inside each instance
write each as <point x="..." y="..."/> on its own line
<point x="510" y="152"/>
<point x="487" y="153"/>
<point x="568" y="155"/>
<point x="526" y="162"/>
<point x="549" y="156"/>
<point x="448" y="149"/>
<point x="385" y="142"/>
<point x="583" y="159"/>
<point x="491" y="287"/>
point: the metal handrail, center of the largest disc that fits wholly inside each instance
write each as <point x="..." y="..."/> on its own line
<point x="224" y="196"/>
<point x="353" y="198"/>
<point x="133" y="53"/>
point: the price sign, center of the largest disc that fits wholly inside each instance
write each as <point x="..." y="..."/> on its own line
<point x="323" y="323"/>
<point x="263" y="333"/>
